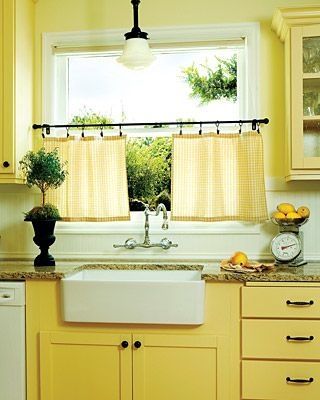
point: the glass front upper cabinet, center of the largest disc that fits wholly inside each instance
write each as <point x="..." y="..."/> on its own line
<point x="305" y="97"/>
<point x="299" y="29"/>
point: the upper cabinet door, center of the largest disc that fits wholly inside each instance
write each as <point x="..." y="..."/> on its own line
<point x="305" y="78"/>
<point x="16" y="85"/>
<point x="299" y="29"/>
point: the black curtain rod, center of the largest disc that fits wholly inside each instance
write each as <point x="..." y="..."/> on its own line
<point x="254" y="123"/>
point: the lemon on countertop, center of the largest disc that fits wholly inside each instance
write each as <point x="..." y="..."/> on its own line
<point x="239" y="258"/>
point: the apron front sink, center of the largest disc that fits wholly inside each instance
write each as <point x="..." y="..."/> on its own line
<point x="134" y="296"/>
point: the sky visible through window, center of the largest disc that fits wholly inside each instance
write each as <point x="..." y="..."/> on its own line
<point x="158" y="93"/>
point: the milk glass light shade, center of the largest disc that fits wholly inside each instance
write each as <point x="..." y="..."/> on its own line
<point x="136" y="54"/>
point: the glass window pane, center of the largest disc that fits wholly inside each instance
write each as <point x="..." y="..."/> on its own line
<point x="311" y="138"/>
<point x="311" y="54"/>
<point x="311" y="97"/>
<point x="160" y="92"/>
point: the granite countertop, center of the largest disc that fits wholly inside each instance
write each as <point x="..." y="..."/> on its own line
<point x="19" y="270"/>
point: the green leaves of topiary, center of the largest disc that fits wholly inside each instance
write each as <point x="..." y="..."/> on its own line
<point x="46" y="212"/>
<point x="46" y="171"/>
<point x="43" y="169"/>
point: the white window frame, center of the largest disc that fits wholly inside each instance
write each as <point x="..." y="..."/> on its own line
<point x="102" y="40"/>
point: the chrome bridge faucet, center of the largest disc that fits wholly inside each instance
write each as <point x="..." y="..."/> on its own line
<point x="164" y="243"/>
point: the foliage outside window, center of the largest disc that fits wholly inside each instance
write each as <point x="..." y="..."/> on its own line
<point x="149" y="159"/>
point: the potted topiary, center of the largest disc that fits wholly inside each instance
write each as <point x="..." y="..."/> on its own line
<point x="46" y="171"/>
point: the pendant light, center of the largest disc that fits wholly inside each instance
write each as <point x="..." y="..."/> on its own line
<point x="136" y="53"/>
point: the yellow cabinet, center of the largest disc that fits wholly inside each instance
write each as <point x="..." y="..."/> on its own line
<point x="79" y="366"/>
<point x="280" y="380"/>
<point x="185" y="367"/>
<point x="16" y="85"/>
<point x="82" y="366"/>
<point x="81" y="361"/>
<point x="300" y="31"/>
<point x="280" y="342"/>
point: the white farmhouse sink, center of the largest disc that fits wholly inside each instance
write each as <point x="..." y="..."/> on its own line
<point x="134" y="296"/>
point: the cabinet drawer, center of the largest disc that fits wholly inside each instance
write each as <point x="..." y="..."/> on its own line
<point x="268" y="380"/>
<point x="291" y="339"/>
<point x="281" y="302"/>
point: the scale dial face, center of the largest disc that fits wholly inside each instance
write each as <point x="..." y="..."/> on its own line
<point x="286" y="246"/>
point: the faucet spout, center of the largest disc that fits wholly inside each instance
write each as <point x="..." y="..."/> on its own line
<point x="162" y="207"/>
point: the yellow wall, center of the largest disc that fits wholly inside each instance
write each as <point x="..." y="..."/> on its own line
<point x="68" y="15"/>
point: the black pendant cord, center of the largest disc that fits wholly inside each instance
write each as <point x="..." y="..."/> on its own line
<point x="255" y="124"/>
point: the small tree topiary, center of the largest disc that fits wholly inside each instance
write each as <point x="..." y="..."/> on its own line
<point x="46" y="171"/>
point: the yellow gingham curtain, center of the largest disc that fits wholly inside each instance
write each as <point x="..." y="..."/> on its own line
<point x="96" y="187"/>
<point x="218" y="177"/>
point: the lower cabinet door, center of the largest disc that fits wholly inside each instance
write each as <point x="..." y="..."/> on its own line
<point x="178" y="367"/>
<point x="83" y="366"/>
<point x="280" y="380"/>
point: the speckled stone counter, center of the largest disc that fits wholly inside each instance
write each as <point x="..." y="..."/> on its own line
<point x="18" y="270"/>
<point x="306" y="273"/>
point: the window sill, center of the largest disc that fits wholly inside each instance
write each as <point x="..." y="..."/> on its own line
<point x="136" y="226"/>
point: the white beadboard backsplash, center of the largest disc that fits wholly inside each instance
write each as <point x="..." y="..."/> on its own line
<point x="200" y="243"/>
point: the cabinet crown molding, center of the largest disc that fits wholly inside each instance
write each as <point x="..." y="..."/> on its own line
<point x="285" y="18"/>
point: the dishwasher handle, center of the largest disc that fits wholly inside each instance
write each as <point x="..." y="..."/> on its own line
<point x="6" y="296"/>
<point x="12" y="293"/>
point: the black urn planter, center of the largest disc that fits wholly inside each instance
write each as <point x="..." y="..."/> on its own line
<point x="44" y="238"/>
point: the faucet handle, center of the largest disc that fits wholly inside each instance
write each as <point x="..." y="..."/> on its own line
<point x="167" y="244"/>
<point x="128" y="244"/>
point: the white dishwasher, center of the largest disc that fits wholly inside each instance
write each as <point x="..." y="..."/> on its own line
<point x="12" y="341"/>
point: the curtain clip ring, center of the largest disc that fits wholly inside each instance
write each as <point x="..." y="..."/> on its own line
<point x="180" y="132"/>
<point x="67" y="129"/>
<point x="47" y="129"/>
<point x="120" y="131"/>
<point x="217" y="125"/>
<point x="240" y="126"/>
<point x="82" y="133"/>
<point x="200" y="130"/>
<point x="254" y="124"/>
<point x="258" y="130"/>
<point x="42" y="133"/>
<point x="101" y="130"/>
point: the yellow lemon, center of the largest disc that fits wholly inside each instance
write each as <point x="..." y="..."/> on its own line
<point x="239" y="258"/>
<point x="278" y="215"/>
<point x="286" y="208"/>
<point x="303" y="211"/>
<point x="293" y="215"/>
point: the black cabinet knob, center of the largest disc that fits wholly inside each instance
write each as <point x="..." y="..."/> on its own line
<point x="137" y="344"/>
<point x="6" y="164"/>
<point x="124" y="344"/>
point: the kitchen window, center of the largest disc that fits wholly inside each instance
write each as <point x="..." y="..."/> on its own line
<point x="81" y="77"/>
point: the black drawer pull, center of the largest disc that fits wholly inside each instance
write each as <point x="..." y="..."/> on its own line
<point x="289" y="380"/>
<point x="124" y="344"/>
<point x="300" y="303"/>
<point x="6" y="164"/>
<point x="137" y="344"/>
<point x="300" y="338"/>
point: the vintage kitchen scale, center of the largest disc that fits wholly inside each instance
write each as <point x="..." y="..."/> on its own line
<point x="287" y="245"/>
